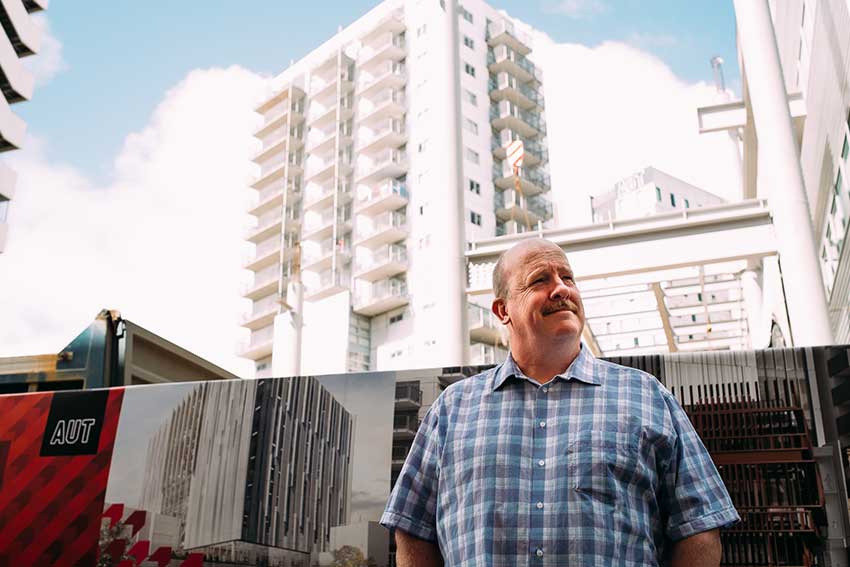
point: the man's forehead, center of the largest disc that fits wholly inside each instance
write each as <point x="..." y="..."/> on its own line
<point x="531" y="253"/>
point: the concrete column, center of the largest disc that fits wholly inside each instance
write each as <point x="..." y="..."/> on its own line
<point x="454" y="265"/>
<point x="783" y="177"/>
<point x="286" y="349"/>
<point x="751" y="290"/>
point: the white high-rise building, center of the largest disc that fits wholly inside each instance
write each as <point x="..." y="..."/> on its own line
<point x="383" y="154"/>
<point x="19" y="38"/>
<point x="648" y="192"/>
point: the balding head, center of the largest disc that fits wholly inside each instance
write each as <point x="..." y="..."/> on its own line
<point x="513" y="257"/>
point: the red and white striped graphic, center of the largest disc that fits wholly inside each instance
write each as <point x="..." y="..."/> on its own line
<point x="516" y="151"/>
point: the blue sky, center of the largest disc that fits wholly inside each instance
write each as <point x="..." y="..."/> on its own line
<point x="122" y="57"/>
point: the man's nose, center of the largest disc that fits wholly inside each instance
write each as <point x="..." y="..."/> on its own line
<point x="560" y="291"/>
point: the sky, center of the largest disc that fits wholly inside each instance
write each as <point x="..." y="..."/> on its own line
<point x="131" y="190"/>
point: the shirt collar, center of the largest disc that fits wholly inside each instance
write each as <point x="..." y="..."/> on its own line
<point x="582" y="369"/>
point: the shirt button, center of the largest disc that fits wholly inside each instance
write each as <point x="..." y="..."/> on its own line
<point x="541" y="462"/>
<point x="539" y="552"/>
<point x="542" y="424"/>
<point x="539" y="505"/>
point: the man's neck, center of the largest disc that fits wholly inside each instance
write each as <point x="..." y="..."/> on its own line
<point x="543" y="363"/>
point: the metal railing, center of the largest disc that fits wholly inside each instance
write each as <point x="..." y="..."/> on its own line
<point x="390" y="187"/>
<point x="381" y="256"/>
<point x="506" y="108"/>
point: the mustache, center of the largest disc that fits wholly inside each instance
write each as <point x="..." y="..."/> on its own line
<point x="564" y="304"/>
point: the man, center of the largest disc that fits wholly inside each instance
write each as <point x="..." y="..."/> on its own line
<point x="554" y="457"/>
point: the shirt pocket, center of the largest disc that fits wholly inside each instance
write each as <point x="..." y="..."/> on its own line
<point x="603" y="465"/>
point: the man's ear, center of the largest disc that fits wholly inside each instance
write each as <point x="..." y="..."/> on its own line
<point x="500" y="310"/>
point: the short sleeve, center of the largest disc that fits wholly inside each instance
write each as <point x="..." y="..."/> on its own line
<point x="692" y="495"/>
<point x="413" y="502"/>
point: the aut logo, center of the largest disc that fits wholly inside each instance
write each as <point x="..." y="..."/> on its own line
<point x="74" y="423"/>
<point x="72" y="431"/>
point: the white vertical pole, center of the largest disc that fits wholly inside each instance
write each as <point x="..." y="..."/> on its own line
<point x="782" y="175"/>
<point x="457" y="328"/>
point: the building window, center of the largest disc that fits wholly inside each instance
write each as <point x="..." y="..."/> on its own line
<point x="658" y="194"/>
<point x="687" y="204"/>
<point x="672" y="200"/>
<point x="472" y="155"/>
<point x="467" y="41"/>
<point x="425" y="241"/>
<point x="469" y="69"/>
<point x="421" y="147"/>
<point x="475" y="187"/>
<point x="845" y="149"/>
<point x="637" y="342"/>
<point x="837" y="187"/>
<point x="421" y="30"/>
<point x="470" y="97"/>
<point x="470" y="125"/>
<point x="474" y="218"/>
<point x="693" y="318"/>
<point x="467" y="15"/>
<point x="396" y="318"/>
<point x="4" y="208"/>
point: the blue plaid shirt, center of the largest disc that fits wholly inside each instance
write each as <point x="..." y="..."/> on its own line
<point x="600" y="466"/>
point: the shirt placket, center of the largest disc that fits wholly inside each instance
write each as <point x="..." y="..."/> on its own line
<point x="537" y="506"/>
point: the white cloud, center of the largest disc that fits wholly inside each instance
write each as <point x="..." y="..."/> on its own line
<point x="642" y="39"/>
<point x="575" y="9"/>
<point x="48" y="62"/>
<point x="162" y="242"/>
<point x="612" y="110"/>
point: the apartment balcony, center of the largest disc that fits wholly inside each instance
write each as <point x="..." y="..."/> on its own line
<point x="510" y="205"/>
<point x="276" y="110"/>
<point x="381" y="296"/>
<point x="388" y="74"/>
<point x="387" y="261"/>
<point x="389" y="103"/>
<point x="329" y="285"/>
<point x="262" y="313"/>
<point x="272" y="196"/>
<point x="405" y="426"/>
<point x="326" y="83"/>
<point x="324" y="142"/>
<point x="388" y="196"/>
<point x="507" y="87"/>
<point x="387" y="163"/>
<point x="386" y="228"/>
<point x="276" y="144"/>
<point x="317" y="197"/>
<point x="389" y="133"/>
<point x="319" y="227"/>
<point x="503" y="59"/>
<point x="392" y="23"/>
<point x="505" y="32"/>
<point x="322" y="259"/>
<point x="321" y="170"/>
<point x="535" y="151"/>
<point x="480" y="354"/>
<point x="484" y="327"/>
<point x="275" y="168"/>
<point x="506" y="114"/>
<point x="265" y="282"/>
<point x="408" y="396"/>
<point x="259" y="346"/>
<point x="531" y="181"/>
<point x="271" y="223"/>
<point x="388" y="46"/>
